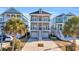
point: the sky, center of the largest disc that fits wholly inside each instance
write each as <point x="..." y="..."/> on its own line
<point x="53" y="10"/>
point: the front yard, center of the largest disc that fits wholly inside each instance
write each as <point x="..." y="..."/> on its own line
<point x="18" y="46"/>
<point x="63" y="44"/>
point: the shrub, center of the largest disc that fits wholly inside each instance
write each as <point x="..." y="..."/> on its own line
<point x="7" y="49"/>
<point x="50" y="35"/>
<point x="70" y="48"/>
<point x="17" y="44"/>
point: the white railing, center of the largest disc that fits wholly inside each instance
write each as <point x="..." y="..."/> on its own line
<point x="40" y="21"/>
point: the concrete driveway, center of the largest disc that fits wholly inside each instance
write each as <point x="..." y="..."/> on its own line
<point x="48" y="46"/>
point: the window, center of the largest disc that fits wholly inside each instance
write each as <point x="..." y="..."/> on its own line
<point x="40" y="27"/>
<point x="8" y="15"/>
<point x="60" y="26"/>
<point x="46" y="27"/>
<point x="12" y="15"/>
<point x="33" y="27"/>
<point x="40" y="18"/>
<point x="65" y="19"/>
<point x="34" y="18"/>
<point x="45" y="18"/>
<point x="59" y="20"/>
<point x="1" y="19"/>
<point x="18" y="15"/>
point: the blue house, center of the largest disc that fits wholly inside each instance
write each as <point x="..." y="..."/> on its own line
<point x="1" y="23"/>
<point x="60" y="20"/>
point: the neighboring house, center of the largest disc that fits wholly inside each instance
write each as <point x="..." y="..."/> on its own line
<point x="12" y="12"/>
<point x="40" y="24"/>
<point x="1" y="23"/>
<point x="60" y="20"/>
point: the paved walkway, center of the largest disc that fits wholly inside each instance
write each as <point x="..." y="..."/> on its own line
<point x="48" y="46"/>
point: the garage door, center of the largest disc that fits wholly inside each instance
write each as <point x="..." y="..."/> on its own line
<point x="45" y="35"/>
<point x="34" y="35"/>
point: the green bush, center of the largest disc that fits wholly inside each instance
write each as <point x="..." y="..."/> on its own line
<point x="53" y="38"/>
<point x="7" y="49"/>
<point x="50" y="35"/>
<point x="70" y="48"/>
<point x="17" y="44"/>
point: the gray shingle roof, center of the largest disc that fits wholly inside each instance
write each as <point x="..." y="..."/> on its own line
<point x="61" y="15"/>
<point x="40" y="11"/>
<point x="11" y="11"/>
<point x="70" y="14"/>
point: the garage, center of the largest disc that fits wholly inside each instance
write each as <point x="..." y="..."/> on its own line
<point x="45" y="35"/>
<point x="34" y="35"/>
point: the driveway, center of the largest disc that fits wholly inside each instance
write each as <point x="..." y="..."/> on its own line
<point x="48" y="46"/>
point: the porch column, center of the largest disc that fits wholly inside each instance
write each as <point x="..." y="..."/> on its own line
<point x="40" y="36"/>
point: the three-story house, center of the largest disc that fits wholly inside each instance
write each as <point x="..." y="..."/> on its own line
<point x="40" y="25"/>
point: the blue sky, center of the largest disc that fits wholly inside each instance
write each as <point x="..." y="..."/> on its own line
<point x="53" y="10"/>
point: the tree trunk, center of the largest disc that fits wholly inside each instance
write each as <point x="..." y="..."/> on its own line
<point x="13" y="44"/>
<point x="74" y="42"/>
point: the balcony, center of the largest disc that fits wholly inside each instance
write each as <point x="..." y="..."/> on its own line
<point x="34" y="29"/>
<point x="46" y="29"/>
<point x="40" y="28"/>
<point x="39" y="20"/>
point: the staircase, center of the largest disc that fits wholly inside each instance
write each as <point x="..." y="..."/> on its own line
<point x="59" y="34"/>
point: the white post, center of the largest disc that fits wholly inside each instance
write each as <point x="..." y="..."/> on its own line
<point x="1" y="38"/>
<point x="40" y="38"/>
<point x="1" y="42"/>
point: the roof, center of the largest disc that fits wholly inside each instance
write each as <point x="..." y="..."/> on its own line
<point x="11" y="11"/>
<point x="70" y="14"/>
<point x="61" y="15"/>
<point x="40" y="11"/>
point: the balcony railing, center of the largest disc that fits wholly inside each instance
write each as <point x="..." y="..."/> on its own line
<point x="41" y="20"/>
<point x="40" y="29"/>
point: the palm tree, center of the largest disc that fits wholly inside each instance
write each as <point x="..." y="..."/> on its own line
<point x="71" y="27"/>
<point x="14" y="26"/>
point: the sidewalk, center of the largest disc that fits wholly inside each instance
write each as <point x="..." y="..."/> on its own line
<point x="48" y="46"/>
